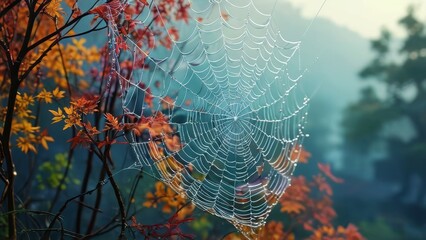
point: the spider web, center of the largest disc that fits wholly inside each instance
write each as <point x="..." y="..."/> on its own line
<point x="236" y="112"/>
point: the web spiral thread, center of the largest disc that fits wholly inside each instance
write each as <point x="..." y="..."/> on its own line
<point x="231" y="106"/>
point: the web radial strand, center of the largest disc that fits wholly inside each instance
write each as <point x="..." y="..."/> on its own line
<point x="223" y="93"/>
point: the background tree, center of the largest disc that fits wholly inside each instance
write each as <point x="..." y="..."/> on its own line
<point x="402" y="74"/>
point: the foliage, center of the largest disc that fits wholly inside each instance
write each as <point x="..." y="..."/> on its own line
<point x="46" y="66"/>
<point x="307" y="209"/>
<point x="51" y="173"/>
<point x="379" y="229"/>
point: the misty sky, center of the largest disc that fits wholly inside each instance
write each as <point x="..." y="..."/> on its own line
<point x="363" y="16"/>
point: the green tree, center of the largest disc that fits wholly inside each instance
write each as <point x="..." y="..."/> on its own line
<point x="403" y="75"/>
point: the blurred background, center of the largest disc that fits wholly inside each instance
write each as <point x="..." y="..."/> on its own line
<point x="366" y="64"/>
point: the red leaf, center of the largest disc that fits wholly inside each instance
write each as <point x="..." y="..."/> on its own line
<point x="108" y="11"/>
<point x="325" y="168"/>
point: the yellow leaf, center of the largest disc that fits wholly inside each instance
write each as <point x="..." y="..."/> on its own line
<point x="44" y="138"/>
<point x="26" y="145"/>
<point x="57" y="115"/>
<point x="58" y="93"/>
<point x="79" y="44"/>
<point x="69" y="110"/>
<point x="27" y="127"/>
<point x="45" y="95"/>
<point x="54" y="9"/>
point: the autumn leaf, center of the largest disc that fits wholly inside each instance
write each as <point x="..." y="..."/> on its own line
<point x="174" y="33"/>
<point x="112" y="122"/>
<point x="57" y="115"/>
<point x="26" y="144"/>
<point x="27" y="127"/>
<point x="44" y="138"/>
<point x="167" y="103"/>
<point x="325" y="168"/>
<point x="331" y="233"/>
<point x="183" y="13"/>
<point x="79" y="43"/>
<point x="58" y="94"/>
<point x="54" y="9"/>
<point x="91" y="130"/>
<point x="72" y="119"/>
<point x="45" y="96"/>
<point x="151" y="200"/>
<point x="144" y="2"/>
<point x="300" y="153"/>
<point x="322" y="184"/>
<point x="87" y="104"/>
<point x="292" y="207"/>
<point x="80" y="139"/>
<point x="108" y="11"/>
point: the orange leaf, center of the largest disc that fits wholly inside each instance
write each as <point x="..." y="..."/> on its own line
<point x="292" y="207"/>
<point x="325" y="168"/>
<point x="112" y="122"/>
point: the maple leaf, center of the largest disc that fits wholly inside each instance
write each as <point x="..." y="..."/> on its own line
<point x="112" y="122"/>
<point x="72" y="119"/>
<point x="183" y="12"/>
<point x="54" y="9"/>
<point x="120" y="44"/>
<point x="325" y="168"/>
<point x="27" y="127"/>
<point x="292" y="207"/>
<point x="44" y="138"/>
<point x="108" y="11"/>
<point x="57" y="115"/>
<point x="174" y="33"/>
<point x="26" y="144"/>
<point x="45" y="96"/>
<point x="57" y="93"/>
<point x="275" y="231"/>
<point x="323" y="210"/>
<point x="151" y="200"/>
<point x="167" y="42"/>
<point x="80" y="139"/>
<point x="322" y="184"/>
<point x="352" y="233"/>
<point x="91" y="130"/>
<point x="86" y="104"/>
<point x="330" y="233"/>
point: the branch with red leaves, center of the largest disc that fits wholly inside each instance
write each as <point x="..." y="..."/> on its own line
<point x="168" y="230"/>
